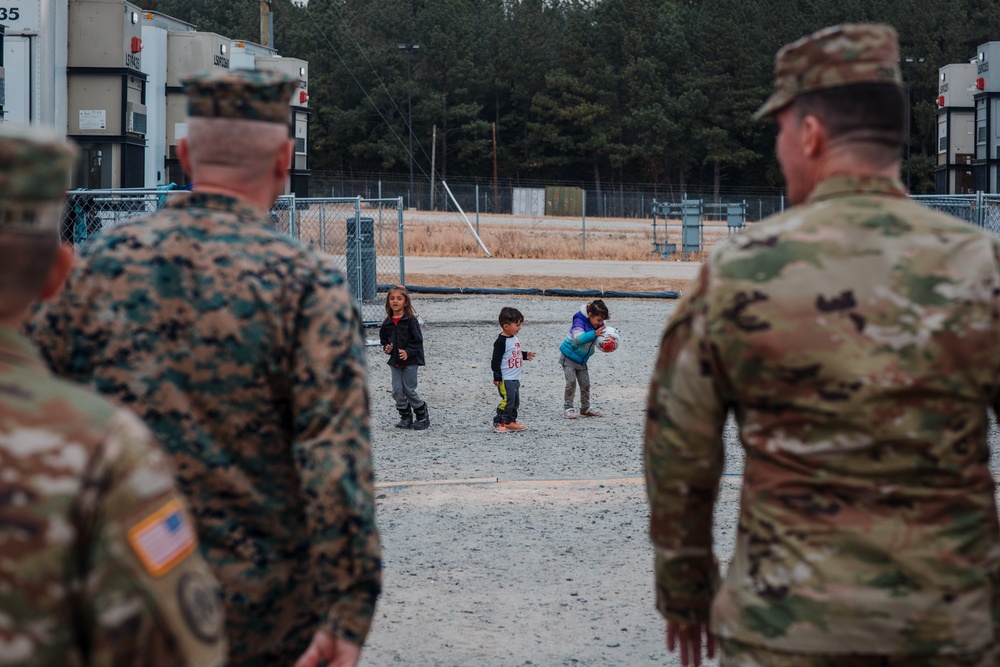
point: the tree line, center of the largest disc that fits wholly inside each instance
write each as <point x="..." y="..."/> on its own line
<point x="599" y="92"/>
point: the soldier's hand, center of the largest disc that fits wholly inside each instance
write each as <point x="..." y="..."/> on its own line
<point x="687" y="638"/>
<point x="402" y="355"/>
<point x="329" y="650"/>
<point x="387" y="348"/>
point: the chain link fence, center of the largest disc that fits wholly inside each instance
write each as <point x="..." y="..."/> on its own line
<point x="980" y="209"/>
<point x="363" y="236"/>
<point x="548" y="222"/>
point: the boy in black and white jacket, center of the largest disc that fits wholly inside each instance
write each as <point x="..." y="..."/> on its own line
<point x="506" y="364"/>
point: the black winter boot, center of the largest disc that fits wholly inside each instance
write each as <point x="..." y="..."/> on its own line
<point x="422" y="421"/>
<point x="405" y="417"/>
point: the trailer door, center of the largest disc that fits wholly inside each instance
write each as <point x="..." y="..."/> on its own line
<point x="17" y="71"/>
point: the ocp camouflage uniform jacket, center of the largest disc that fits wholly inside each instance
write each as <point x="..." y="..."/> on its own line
<point x="856" y="338"/>
<point x="98" y="555"/>
<point x="241" y="348"/>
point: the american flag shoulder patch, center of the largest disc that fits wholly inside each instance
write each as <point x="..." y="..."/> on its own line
<point x="163" y="539"/>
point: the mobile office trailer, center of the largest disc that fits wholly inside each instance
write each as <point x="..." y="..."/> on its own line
<point x="298" y="172"/>
<point x="34" y="55"/>
<point x="956" y="119"/>
<point x="156" y="28"/>
<point x="188" y="53"/>
<point x="986" y="164"/>
<point x="248" y="55"/>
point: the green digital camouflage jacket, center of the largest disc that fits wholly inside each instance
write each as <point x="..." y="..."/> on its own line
<point x="242" y="350"/>
<point x="856" y="339"/>
<point x="98" y="555"/>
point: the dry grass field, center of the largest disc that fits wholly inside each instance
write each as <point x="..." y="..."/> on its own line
<point x="547" y="239"/>
<point x="545" y="282"/>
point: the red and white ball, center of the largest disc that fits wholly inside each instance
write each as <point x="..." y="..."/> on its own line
<point x="609" y="341"/>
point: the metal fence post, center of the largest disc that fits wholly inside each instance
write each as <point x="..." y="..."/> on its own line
<point x="584" y="223"/>
<point x="358" y="233"/>
<point x="402" y="252"/>
<point x="380" y="211"/>
<point x="293" y="227"/>
<point x="980" y="220"/>
<point x="782" y="203"/>
<point x="322" y="226"/>
<point x="477" y="208"/>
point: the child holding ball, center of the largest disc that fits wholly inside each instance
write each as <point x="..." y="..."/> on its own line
<point x="576" y="349"/>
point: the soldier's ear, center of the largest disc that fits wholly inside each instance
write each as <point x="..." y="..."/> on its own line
<point x="814" y="136"/>
<point x="184" y="155"/>
<point x="283" y="161"/>
<point x="62" y="264"/>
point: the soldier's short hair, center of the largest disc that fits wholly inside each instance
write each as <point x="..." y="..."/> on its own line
<point x="870" y="113"/>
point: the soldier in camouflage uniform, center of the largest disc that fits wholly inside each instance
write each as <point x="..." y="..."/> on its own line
<point x="242" y="350"/>
<point x="98" y="560"/>
<point x="856" y="339"/>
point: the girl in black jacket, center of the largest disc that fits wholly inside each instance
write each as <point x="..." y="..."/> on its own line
<point x="402" y="341"/>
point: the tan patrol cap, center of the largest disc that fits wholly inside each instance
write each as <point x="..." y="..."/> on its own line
<point x="36" y="165"/>
<point x="842" y="55"/>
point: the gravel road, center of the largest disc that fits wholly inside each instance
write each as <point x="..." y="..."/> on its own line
<point x="521" y="548"/>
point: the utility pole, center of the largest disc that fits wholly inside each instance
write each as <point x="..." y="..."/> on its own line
<point x="496" y="193"/>
<point x="434" y="143"/>
<point x="266" y="24"/>
<point x="409" y="48"/>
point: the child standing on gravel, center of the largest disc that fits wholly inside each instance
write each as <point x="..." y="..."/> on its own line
<point x="576" y="349"/>
<point x="402" y="340"/>
<point x="506" y="364"/>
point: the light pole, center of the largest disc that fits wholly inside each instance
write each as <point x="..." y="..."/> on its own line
<point x="409" y="48"/>
<point x="903" y="62"/>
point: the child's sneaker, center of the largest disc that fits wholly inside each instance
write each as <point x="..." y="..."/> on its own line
<point x="570" y="413"/>
<point x="514" y="426"/>
<point x="500" y="428"/>
<point x="590" y="412"/>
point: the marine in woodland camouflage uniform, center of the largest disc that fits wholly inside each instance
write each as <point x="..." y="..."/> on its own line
<point x="98" y="559"/>
<point x="856" y="339"/>
<point x="242" y="350"/>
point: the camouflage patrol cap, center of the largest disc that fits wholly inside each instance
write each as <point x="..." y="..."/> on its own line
<point x="841" y="55"/>
<point x="36" y="165"/>
<point x="241" y="94"/>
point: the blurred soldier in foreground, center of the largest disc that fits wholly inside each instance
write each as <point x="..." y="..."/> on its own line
<point x="856" y="339"/>
<point x="98" y="555"/>
<point x="242" y="350"/>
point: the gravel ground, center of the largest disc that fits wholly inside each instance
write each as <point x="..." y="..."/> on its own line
<point x="519" y="548"/>
<point x="522" y="548"/>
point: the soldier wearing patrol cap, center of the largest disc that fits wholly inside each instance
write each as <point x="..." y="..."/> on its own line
<point x="242" y="350"/>
<point x="98" y="555"/>
<point x="856" y="339"/>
